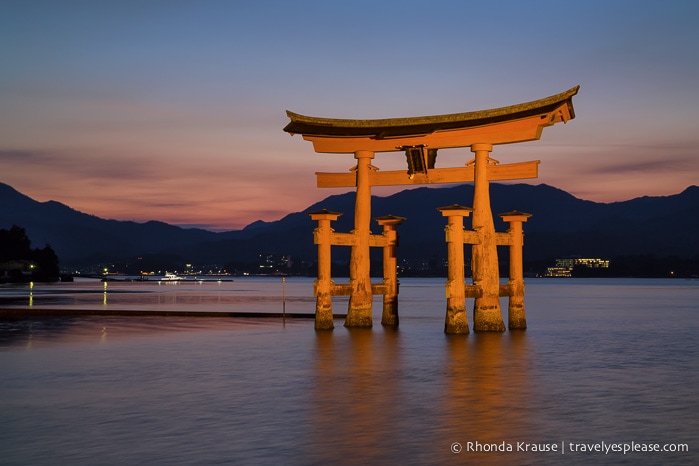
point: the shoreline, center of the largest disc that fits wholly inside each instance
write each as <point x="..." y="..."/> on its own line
<point x="23" y="313"/>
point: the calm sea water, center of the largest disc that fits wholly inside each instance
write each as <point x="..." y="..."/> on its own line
<point x="603" y="364"/>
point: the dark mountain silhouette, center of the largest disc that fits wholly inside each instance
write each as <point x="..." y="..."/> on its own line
<point x="77" y="237"/>
<point x="562" y="225"/>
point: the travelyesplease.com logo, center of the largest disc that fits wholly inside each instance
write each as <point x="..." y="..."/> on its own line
<point x="563" y="447"/>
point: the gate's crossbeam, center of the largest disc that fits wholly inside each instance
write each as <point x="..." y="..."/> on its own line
<point x="350" y="239"/>
<point x="502" y="172"/>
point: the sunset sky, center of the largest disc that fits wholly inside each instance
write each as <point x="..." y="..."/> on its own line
<point x="173" y="110"/>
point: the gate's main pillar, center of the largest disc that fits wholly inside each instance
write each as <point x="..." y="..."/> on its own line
<point x="359" y="308"/>
<point x="484" y="256"/>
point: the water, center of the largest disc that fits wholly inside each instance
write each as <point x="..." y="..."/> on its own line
<point x="604" y="362"/>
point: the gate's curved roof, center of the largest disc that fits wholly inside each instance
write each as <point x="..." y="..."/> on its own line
<point x="412" y="126"/>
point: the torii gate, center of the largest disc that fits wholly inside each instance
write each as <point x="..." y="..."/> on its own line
<point x="420" y="138"/>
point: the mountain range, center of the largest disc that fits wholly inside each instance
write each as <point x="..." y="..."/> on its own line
<point x="561" y="226"/>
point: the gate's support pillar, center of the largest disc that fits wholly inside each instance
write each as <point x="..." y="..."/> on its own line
<point x="484" y="256"/>
<point x="516" y="318"/>
<point x="456" y="320"/>
<point x="359" y="308"/>
<point x="389" y="318"/>
<point x="323" y="285"/>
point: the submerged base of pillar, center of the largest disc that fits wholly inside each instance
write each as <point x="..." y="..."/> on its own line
<point x="359" y="317"/>
<point x="487" y="316"/>
<point x="360" y="302"/>
<point x="516" y="318"/>
<point x="456" y="322"/>
<point x="324" y="317"/>
<point x="389" y="318"/>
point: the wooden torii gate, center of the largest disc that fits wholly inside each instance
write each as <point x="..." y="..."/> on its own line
<point x="420" y="138"/>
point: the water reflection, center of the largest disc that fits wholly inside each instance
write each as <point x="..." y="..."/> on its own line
<point x="476" y="389"/>
<point x="357" y="396"/>
<point x="35" y="332"/>
<point x="252" y="389"/>
<point x="18" y="332"/>
<point x="487" y="397"/>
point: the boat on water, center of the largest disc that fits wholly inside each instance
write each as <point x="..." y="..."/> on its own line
<point x="171" y="277"/>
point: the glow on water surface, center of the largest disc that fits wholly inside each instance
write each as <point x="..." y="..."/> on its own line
<point x="602" y="361"/>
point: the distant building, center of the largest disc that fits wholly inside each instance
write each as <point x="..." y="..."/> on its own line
<point x="559" y="272"/>
<point x="274" y="264"/>
<point x="564" y="267"/>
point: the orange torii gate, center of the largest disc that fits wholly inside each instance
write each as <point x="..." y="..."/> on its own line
<point x="420" y="138"/>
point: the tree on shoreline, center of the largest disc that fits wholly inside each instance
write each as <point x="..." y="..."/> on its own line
<point x="20" y="263"/>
